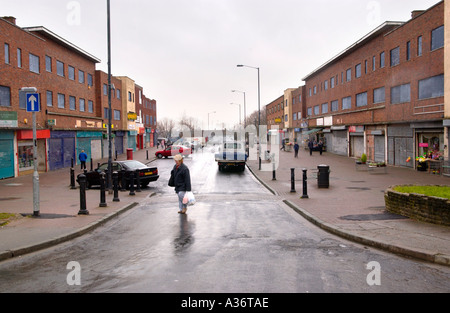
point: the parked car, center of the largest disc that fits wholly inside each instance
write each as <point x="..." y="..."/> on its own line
<point x="172" y="151"/>
<point x="146" y="174"/>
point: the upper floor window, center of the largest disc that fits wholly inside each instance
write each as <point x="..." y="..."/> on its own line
<point x="48" y="64"/>
<point x="419" y="46"/>
<point x="432" y="87"/>
<point x="361" y="99"/>
<point x="349" y="75"/>
<point x="395" y="56"/>
<point x="34" y="63"/>
<point x="382" y="59"/>
<point x="358" y="70"/>
<point x="60" y="68"/>
<point x="346" y="103"/>
<point x="437" y="38"/>
<point x="401" y="94"/>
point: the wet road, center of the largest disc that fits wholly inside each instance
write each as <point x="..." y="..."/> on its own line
<point x="237" y="238"/>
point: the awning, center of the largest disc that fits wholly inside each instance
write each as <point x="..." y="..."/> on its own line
<point x="312" y="131"/>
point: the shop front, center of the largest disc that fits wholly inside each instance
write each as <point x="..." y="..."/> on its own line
<point x="25" y="151"/>
<point x="6" y="154"/>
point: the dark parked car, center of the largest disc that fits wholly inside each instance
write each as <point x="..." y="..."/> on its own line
<point x="146" y="174"/>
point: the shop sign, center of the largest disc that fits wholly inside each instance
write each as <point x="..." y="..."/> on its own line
<point x="132" y="116"/>
<point x="8" y="119"/>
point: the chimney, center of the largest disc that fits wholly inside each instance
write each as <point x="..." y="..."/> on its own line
<point x="10" y="19"/>
<point x="416" y="13"/>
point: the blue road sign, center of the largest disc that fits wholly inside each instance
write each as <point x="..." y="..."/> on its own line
<point x="33" y="104"/>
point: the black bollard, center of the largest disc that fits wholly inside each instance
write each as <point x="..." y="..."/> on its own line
<point x="82" y="181"/>
<point x="274" y="177"/>
<point x="132" y="184"/>
<point x="147" y="154"/>
<point x="305" y="186"/>
<point x="292" y="179"/>
<point x="124" y="181"/>
<point x="71" y="163"/>
<point x="92" y="165"/>
<point x="72" y="179"/>
<point x="138" y="181"/>
<point x="102" y="191"/>
<point x="115" y="177"/>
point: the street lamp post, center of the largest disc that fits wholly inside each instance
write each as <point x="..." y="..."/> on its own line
<point x="245" y="112"/>
<point x="259" y="110"/>
<point x="109" y="102"/>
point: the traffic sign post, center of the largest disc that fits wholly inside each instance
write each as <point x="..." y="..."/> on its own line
<point x="33" y="106"/>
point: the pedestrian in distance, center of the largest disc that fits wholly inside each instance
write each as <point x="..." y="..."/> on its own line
<point x="180" y="179"/>
<point x="320" y="146"/>
<point x="282" y="146"/>
<point x="83" y="157"/>
<point x="310" y="146"/>
<point x="296" y="147"/>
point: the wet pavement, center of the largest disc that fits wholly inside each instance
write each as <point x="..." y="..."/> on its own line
<point x="352" y="206"/>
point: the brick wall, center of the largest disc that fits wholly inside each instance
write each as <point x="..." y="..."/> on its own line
<point x="427" y="209"/>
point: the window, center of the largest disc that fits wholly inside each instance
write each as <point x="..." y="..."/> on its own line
<point x="82" y="105"/>
<point x="294" y="116"/>
<point x="419" y="46"/>
<point x="349" y="75"/>
<point x="437" y="38"/>
<point x="324" y="108"/>
<point x="72" y="103"/>
<point x="309" y="111"/>
<point x="19" y="57"/>
<point x="106" y="112"/>
<point x="315" y="90"/>
<point x="80" y="76"/>
<point x="90" y="80"/>
<point x="286" y="118"/>
<point x="374" y="61"/>
<point x="332" y="82"/>
<point x="432" y="87"/>
<point x="361" y="99"/>
<point x="334" y="105"/>
<point x="326" y="85"/>
<point x="408" y="51"/>
<point x="48" y="64"/>
<point x="34" y="63"/>
<point x="358" y="70"/>
<point x="118" y="93"/>
<point x="395" y="56"/>
<point x="129" y="96"/>
<point x="61" y="101"/>
<point x="91" y="106"/>
<point x="365" y="66"/>
<point x="382" y="59"/>
<point x="49" y="98"/>
<point x="71" y="72"/>
<point x="346" y="103"/>
<point x="116" y="115"/>
<point x="401" y="94"/>
<point x="6" y="53"/>
<point x="5" y="96"/>
<point x="379" y="95"/>
<point x="105" y="89"/>
<point x="316" y="110"/>
<point x="60" y="68"/>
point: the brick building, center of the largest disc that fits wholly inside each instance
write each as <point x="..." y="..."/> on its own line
<point x="74" y="102"/>
<point x="383" y="95"/>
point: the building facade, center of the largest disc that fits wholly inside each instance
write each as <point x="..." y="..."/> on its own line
<point x="384" y="95"/>
<point x="73" y="102"/>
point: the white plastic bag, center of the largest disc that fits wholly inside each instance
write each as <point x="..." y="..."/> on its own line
<point x="189" y="198"/>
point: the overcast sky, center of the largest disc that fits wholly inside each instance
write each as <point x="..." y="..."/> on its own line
<point x="184" y="52"/>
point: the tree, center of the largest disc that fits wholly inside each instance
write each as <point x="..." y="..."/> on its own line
<point x="165" y="127"/>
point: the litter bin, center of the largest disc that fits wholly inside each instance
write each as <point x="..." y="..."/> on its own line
<point x="129" y="154"/>
<point x="323" y="176"/>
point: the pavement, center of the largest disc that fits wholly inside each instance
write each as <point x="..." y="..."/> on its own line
<point x="351" y="207"/>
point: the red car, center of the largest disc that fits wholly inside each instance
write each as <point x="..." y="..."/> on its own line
<point x="172" y="151"/>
